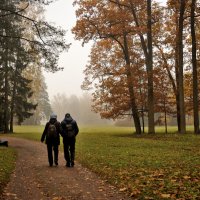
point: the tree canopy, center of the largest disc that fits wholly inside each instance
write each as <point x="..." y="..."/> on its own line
<point x="28" y="44"/>
<point x="140" y="58"/>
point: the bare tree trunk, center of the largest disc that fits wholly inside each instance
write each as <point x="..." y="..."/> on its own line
<point x="13" y="100"/>
<point x="165" y="112"/>
<point x="177" y="79"/>
<point x="131" y="88"/>
<point x="194" y="66"/>
<point x="142" y="110"/>
<point x="151" y="127"/>
<point x="6" y="103"/>
<point x="149" y="63"/>
<point x="180" y="67"/>
<point x="142" y="119"/>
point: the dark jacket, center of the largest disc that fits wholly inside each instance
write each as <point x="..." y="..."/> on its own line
<point x="56" y="141"/>
<point x="68" y="120"/>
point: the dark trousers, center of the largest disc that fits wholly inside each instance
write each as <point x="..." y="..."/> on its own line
<point x="69" y="150"/>
<point x="50" y="149"/>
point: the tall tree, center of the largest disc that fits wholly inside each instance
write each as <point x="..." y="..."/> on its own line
<point x="39" y="44"/>
<point x="150" y="70"/>
<point x="103" y="21"/>
<point x="106" y="76"/>
<point x="167" y="49"/>
<point x="194" y="66"/>
<point x="181" y="66"/>
<point x="144" y="31"/>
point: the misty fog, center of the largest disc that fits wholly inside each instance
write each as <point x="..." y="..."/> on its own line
<point x="79" y="108"/>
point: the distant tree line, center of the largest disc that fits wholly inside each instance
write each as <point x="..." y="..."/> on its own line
<point x="145" y="59"/>
<point x="79" y="107"/>
<point x="27" y="43"/>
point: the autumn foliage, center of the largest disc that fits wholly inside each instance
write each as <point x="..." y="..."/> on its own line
<point x="139" y="57"/>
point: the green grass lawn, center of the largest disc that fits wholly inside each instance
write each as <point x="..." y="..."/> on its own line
<point x="160" y="166"/>
<point x="7" y="164"/>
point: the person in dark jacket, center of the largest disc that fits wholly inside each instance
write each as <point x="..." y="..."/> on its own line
<point x="52" y="142"/>
<point x="69" y="132"/>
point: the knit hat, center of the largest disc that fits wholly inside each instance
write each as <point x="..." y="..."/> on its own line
<point x="53" y="116"/>
<point x="67" y="115"/>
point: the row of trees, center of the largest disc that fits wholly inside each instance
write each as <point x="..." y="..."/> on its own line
<point x="27" y="43"/>
<point x="144" y="58"/>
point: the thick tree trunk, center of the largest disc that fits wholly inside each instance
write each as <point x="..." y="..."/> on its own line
<point x="151" y="127"/>
<point x="13" y="100"/>
<point x="180" y="67"/>
<point x="6" y="104"/>
<point x="149" y="64"/>
<point x="131" y="88"/>
<point x="177" y="83"/>
<point x="194" y="66"/>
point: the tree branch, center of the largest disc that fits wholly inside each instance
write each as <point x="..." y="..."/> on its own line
<point x="16" y="37"/>
<point x="13" y="12"/>
<point x="29" y="19"/>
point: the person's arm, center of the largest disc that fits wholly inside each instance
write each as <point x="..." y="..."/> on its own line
<point x="76" y="128"/>
<point x="44" y="132"/>
<point x="62" y="129"/>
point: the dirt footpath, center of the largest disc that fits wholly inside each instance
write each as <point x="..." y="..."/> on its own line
<point x="33" y="179"/>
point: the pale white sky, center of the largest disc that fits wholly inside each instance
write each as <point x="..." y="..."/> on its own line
<point x="68" y="81"/>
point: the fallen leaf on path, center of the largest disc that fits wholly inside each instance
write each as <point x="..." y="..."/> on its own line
<point x="165" y="195"/>
<point x="58" y="198"/>
<point x="122" y="189"/>
<point x="186" y="177"/>
<point x="10" y="194"/>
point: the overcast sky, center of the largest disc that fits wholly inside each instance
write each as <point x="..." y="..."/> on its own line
<point x="68" y="81"/>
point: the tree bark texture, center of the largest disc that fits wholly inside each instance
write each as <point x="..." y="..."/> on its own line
<point x="151" y="127"/>
<point x="194" y="66"/>
<point x="131" y="88"/>
<point x="180" y="68"/>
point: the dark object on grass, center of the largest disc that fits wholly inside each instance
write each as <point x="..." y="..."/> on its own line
<point x="4" y="143"/>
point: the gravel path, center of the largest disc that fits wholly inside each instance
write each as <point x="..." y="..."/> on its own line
<point x="33" y="179"/>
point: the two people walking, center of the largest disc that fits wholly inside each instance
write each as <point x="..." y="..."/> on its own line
<point x="68" y="129"/>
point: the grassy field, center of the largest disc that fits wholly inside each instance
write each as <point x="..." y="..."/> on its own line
<point x="160" y="166"/>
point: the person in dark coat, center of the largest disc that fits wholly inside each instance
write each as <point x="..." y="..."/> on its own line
<point x="70" y="130"/>
<point x="52" y="142"/>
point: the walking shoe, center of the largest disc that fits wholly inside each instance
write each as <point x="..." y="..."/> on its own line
<point x="68" y="165"/>
<point x="56" y="163"/>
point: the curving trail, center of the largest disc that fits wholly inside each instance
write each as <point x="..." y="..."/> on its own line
<point x="33" y="179"/>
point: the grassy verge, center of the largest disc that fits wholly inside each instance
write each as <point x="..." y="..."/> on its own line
<point x="160" y="166"/>
<point x="7" y="164"/>
<point x="28" y="132"/>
